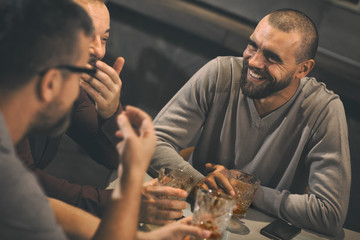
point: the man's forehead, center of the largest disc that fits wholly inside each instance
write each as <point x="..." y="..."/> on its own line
<point x="274" y="38"/>
<point x="100" y="16"/>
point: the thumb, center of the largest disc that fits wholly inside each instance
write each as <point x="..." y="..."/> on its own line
<point x="125" y="125"/>
<point x="152" y="182"/>
<point x="197" y="232"/>
<point x="210" y="166"/>
<point x="119" y="64"/>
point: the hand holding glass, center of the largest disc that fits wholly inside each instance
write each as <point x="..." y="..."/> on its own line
<point x="245" y="186"/>
<point x="212" y="211"/>
<point x="176" y="178"/>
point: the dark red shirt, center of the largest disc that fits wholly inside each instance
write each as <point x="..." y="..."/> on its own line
<point x="95" y="135"/>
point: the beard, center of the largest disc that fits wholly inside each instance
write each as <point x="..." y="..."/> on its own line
<point x="93" y="59"/>
<point x="49" y="122"/>
<point x="267" y="88"/>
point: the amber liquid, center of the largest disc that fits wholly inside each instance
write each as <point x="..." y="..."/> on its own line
<point x="239" y="210"/>
<point x="244" y="195"/>
<point x="208" y="225"/>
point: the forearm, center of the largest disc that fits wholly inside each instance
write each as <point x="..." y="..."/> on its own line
<point x="166" y="156"/>
<point x="121" y="217"/>
<point x="76" y="223"/>
<point x="86" y="130"/>
<point x="109" y="126"/>
<point x="88" y="198"/>
<point x="304" y="210"/>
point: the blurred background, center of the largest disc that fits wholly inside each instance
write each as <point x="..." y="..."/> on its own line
<point x="164" y="42"/>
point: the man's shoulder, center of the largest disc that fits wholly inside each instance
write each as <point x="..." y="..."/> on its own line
<point x="317" y="96"/>
<point x="225" y="72"/>
<point x="230" y="60"/>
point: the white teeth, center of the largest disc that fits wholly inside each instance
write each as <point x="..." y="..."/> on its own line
<point x="255" y="75"/>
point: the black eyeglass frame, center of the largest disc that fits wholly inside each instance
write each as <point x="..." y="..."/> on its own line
<point x="75" y="69"/>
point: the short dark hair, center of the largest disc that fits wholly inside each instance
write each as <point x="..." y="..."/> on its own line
<point x="288" y="20"/>
<point x="36" y="35"/>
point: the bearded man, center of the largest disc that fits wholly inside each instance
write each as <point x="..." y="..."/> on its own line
<point x="262" y="114"/>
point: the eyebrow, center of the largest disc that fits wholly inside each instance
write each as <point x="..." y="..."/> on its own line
<point x="267" y="53"/>
<point x="272" y="55"/>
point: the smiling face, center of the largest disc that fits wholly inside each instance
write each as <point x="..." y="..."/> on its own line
<point x="100" y="17"/>
<point x="270" y="62"/>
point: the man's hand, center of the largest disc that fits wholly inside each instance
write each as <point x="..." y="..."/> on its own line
<point x="175" y="231"/>
<point x="138" y="139"/>
<point x="155" y="209"/>
<point x="217" y="179"/>
<point x="105" y="87"/>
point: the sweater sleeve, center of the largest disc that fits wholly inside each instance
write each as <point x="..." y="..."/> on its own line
<point x="178" y="124"/>
<point x="88" y="198"/>
<point x="324" y="207"/>
<point x="96" y="136"/>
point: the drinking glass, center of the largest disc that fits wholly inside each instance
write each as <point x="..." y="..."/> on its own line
<point x="176" y="178"/>
<point x="212" y="211"/>
<point x="245" y="186"/>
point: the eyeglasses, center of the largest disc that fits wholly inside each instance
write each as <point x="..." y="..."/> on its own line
<point x="90" y="71"/>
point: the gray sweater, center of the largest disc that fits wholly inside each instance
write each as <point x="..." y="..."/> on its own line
<point x="302" y="143"/>
<point x="25" y="212"/>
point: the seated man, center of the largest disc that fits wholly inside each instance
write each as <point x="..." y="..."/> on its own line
<point x="261" y="114"/>
<point x="46" y="47"/>
<point x="93" y="125"/>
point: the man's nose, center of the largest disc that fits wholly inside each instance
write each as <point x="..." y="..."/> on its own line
<point x="97" y="49"/>
<point x="257" y="60"/>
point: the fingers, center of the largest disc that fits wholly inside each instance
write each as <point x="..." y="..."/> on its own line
<point x="138" y="119"/>
<point x="166" y="215"/>
<point x="106" y="83"/>
<point x="119" y="134"/>
<point x="216" y="168"/>
<point x="186" y="220"/>
<point x="159" y="222"/>
<point x="171" y="204"/>
<point x="111" y="72"/>
<point x="154" y="212"/>
<point x="166" y="191"/>
<point x="105" y="87"/>
<point x="225" y="184"/>
<point x="125" y="126"/>
<point x="119" y="64"/>
<point x="217" y="179"/>
<point x="150" y="200"/>
<point x="197" y="232"/>
<point x="152" y="182"/>
<point x="210" y="166"/>
<point x="136" y="115"/>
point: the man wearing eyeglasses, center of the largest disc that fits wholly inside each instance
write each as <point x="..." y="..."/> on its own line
<point x="93" y="124"/>
<point x="46" y="47"/>
<point x="93" y="121"/>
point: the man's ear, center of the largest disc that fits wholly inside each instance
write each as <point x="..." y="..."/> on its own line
<point x="304" y="68"/>
<point x="49" y="85"/>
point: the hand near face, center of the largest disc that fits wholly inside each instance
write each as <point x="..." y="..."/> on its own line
<point x="175" y="231"/>
<point x="105" y="87"/>
<point x="156" y="208"/>
<point x="138" y="139"/>
<point x="217" y="179"/>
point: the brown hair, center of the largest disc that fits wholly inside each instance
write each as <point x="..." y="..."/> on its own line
<point x="288" y="20"/>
